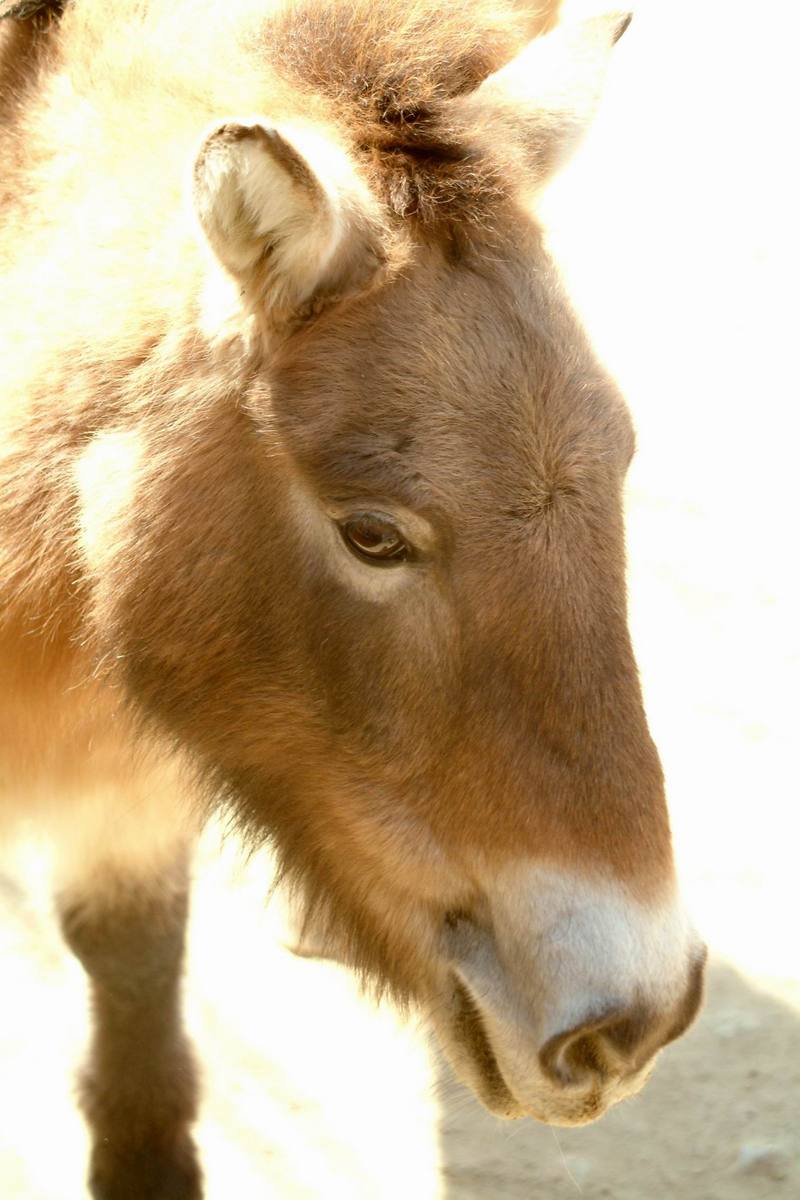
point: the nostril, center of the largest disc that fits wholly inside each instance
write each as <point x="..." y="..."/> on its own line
<point x="692" y="999"/>
<point x="583" y="1058"/>
<point x="571" y="1057"/>
<point x="627" y="1033"/>
<point x="600" y="1047"/>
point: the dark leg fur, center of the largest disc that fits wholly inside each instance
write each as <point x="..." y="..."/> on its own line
<point x="139" y="1090"/>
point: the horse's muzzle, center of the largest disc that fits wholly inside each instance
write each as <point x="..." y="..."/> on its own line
<point x="563" y="1018"/>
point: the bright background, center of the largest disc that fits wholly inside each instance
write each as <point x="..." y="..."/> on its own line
<point x="678" y="230"/>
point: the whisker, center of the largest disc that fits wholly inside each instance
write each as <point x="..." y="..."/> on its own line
<point x="564" y="1162"/>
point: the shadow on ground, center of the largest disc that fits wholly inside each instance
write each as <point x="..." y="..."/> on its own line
<point x="718" y="1121"/>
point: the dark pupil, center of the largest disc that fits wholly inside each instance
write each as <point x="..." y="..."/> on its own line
<point x="374" y="538"/>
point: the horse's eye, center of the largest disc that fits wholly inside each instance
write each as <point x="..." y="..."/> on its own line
<point x="374" y="538"/>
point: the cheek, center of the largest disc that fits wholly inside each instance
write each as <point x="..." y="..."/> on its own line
<point x="383" y="828"/>
<point x="382" y="645"/>
<point x="388" y="671"/>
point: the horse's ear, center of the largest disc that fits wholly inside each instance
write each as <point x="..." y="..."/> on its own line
<point x="286" y="215"/>
<point x="542" y="101"/>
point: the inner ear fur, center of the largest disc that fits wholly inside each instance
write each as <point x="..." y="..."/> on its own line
<point x="287" y="215"/>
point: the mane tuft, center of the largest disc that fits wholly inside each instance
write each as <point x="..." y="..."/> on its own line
<point x="385" y="70"/>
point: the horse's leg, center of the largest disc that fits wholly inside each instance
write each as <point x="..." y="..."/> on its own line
<point x="125" y="919"/>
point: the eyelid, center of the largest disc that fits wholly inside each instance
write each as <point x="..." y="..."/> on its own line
<point x="413" y="528"/>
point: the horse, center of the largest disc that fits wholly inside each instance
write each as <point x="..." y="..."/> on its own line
<point x="311" y="514"/>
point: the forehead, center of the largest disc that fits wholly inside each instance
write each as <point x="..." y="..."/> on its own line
<point x="456" y="380"/>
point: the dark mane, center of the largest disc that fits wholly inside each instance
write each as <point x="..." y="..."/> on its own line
<point x="387" y="72"/>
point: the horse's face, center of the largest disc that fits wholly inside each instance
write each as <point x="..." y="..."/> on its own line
<point x="415" y="672"/>
<point x="483" y="791"/>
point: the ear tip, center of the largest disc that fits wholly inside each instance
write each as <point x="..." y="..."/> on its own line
<point x="603" y="28"/>
<point x="621" y="21"/>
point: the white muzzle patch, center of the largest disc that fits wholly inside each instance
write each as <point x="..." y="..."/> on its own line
<point x="577" y="986"/>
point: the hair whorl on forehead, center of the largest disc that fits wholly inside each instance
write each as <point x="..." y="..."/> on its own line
<point x="386" y="69"/>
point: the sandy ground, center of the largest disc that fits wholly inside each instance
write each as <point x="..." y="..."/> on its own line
<point x="677" y="228"/>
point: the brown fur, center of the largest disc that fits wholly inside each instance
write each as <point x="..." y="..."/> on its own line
<point x="396" y="753"/>
<point x="140" y="1090"/>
